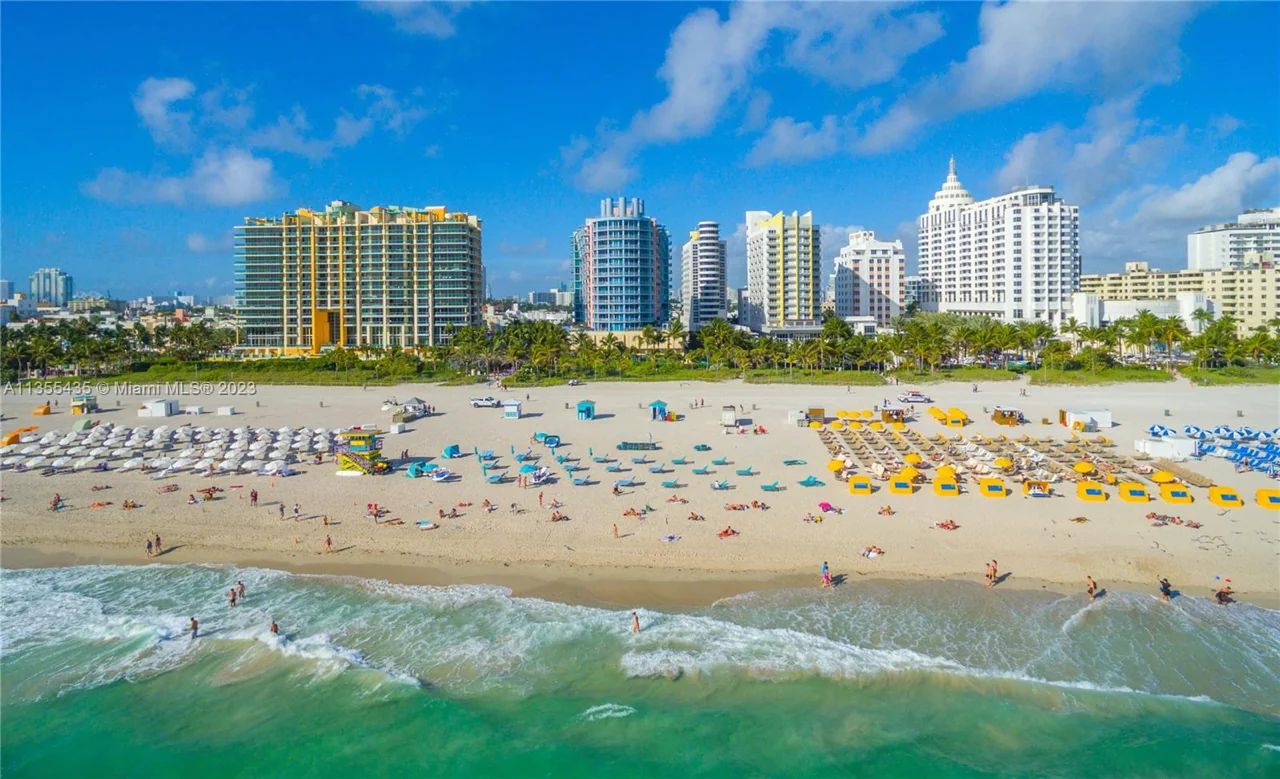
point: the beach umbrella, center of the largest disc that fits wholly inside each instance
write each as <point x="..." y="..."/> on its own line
<point x="913" y="459"/>
<point x="835" y="466"/>
<point x="1005" y="462"/>
<point x="29" y="449"/>
<point x="84" y="462"/>
<point x="908" y="473"/>
<point x="36" y="461"/>
<point x="7" y="449"/>
<point x="528" y="468"/>
<point x="61" y="461"/>
<point x="11" y="461"/>
<point x="1163" y="477"/>
<point x="946" y="472"/>
<point x="1083" y="467"/>
<point x="249" y="466"/>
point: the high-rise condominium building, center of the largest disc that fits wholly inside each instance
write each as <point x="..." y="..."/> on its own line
<point x="51" y="285"/>
<point x="386" y="277"/>
<point x="702" y="288"/>
<point x="1253" y="238"/>
<point x="6" y="290"/>
<point x="784" y="272"/>
<point x="869" y="278"/>
<point x="621" y="268"/>
<point x="1013" y="257"/>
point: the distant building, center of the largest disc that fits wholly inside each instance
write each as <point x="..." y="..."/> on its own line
<point x="869" y="278"/>
<point x="1091" y="310"/>
<point x="388" y="276"/>
<point x="52" y="286"/>
<point x="1014" y="257"/>
<point x="1254" y="237"/>
<point x="542" y="298"/>
<point x="6" y="290"/>
<point x="912" y="291"/>
<point x="621" y="268"/>
<point x="1250" y="294"/>
<point x="702" y="278"/>
<point x="784" y="274"/>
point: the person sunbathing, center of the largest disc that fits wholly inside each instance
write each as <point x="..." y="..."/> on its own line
<point x="872" y="552"/>
<point x="99" y="504"/>
<point x="556" y="516"/>
<point x="101" y="487"/>
<point x="886" y="511"/>
<point x="759" y="504"/>
<point x="949" y="524"/>
<point x="696" y="517"/>
<point x="191" y="500"/>
<point x="811" y="517"/>
<point x="728" y="532"/>
<point x="631" y="512"/>
<point x="1192" y="524"/>
<point x="129" y="504"/>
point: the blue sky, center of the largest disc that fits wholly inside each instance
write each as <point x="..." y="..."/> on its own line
<point x="134" y="136"/>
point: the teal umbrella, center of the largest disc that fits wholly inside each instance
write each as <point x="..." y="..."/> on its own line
<point x="528" y="468"/>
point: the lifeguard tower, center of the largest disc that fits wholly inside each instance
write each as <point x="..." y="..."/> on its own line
<point x="360" y="451"/>
<point x="84" y="404"/>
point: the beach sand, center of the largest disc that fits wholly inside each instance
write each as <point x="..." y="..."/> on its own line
<point x="581" y="560"/>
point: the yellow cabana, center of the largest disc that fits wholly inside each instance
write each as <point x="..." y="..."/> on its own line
<point x="1268" y="499"/>
<point x="1036" y="489"/>
<point x="1083" y="467"/>
<point x="1175" y="492"/>
<point x="913" y="459"/>
<point x="909" y="473"/>
<point x="834" y="465"/>
<point x="1133" y="492"/>
<point x="1091" y="491"/>
<point x="1163" y="477"/>
<point x="993" y="488"/>
<point x="1003" y="462"/>
<point x="860" y="484"/>
<point x="947" y="488"/>
<point x="1225" y="497"/>
<point x="901" y="486"/>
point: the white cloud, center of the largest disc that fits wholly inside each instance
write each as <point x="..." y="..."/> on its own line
<point x="226" y="107"/>
<point x="1025" y="48"/>
<point x="787" y="140"/>
<point x="155" y="103"/>
<point x="200" y="243"/>
<point x="757" y="113"/>
<point x="389" y="110"/>
<point x="220" y="177"/>
<point x="1224" y="125"/>
<point x="1243" y="181"/>
<point x="420" y="18"/>
<point x="383" y="108"/>
<point x="710" y="60"/>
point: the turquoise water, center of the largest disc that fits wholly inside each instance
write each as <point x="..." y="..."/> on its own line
<point x="374" y="679"/>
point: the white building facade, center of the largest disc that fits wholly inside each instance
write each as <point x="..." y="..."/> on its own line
<point x="784" y="273"/>
<point x="1253" y="238"/>
<point x="1014" y="257"/>
<point x="703" y="271"/>
<point x="869" y="279"/>
<point x="1091" y="310"/>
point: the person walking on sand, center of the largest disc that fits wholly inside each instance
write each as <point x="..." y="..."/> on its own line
<point x="635" y="622"/>
<point x="540" y="501"/>
<point x="148" y="546"/>
<point x="826" y="574"/>
<point x="159" y="548"/>
<point x="281" y="509"/>
<point x="328" y="544"/>
<point x="1091" y="588"/>
<point x="615" y="529"/>
<point x="195" y="629"/>
<point x="253" y="499"/>
<point x="297" y="510"/>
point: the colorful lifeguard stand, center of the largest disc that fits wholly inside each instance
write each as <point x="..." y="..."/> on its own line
<point x="84" y="404"/>
<point x="658" y="411"/>
<point x="511" y="409"/>
<point x="1006" y="415"/>
<point x="586" y="410"/>
<point x="361" y="451"/>
<point x="891" y="413"/>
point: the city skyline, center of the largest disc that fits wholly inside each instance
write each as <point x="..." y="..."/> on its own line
<point x="189" y="137"/>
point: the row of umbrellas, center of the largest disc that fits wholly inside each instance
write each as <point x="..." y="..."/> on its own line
<point x="1224" y="432"/>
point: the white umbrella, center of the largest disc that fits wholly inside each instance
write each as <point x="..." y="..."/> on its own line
<point x="59" y="462"/>
<point x="275" y="466"/>
<point x="227" y="465"/>
<point x="203" y="465"/>
<point x="28" y="438"/>
<point x="299" y="445"/>
<point x="52" y="451"/>
<point x="9" y="448"/>
<point x="35" y="461"/>
<point x="48" y="437"/>
<point x="129" y="465"/>
<point x="180" y="464"/>
<point x="77" y="449"/>
<point x="98" y="451"/>
<point x="160" y="463"/>
<point x="9" y="462"/>
<point x="249" y="466"/>
<point x="30" y="449"/>
<point x="84" y="462"/>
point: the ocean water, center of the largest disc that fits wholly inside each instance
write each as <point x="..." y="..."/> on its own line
<point x="98" y="677"/>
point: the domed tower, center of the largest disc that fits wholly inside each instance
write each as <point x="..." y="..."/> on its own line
<point x="952" y="195"/>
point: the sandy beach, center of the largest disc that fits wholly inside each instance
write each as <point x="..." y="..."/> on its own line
<point x="1033" y="539"/>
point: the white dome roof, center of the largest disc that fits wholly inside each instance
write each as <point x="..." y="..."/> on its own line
<point x="953" y="194"/>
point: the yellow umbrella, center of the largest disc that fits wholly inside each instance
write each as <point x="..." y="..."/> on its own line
<point x="837" y="425"/>
<point x="899" y="426"/>
<point x="908" y="473"/>
<point x="835" y="465"/>
<point x="1004" y="462"/>
<point x="855" y="425"/>
<point x="913" y="459"/>
<point x="1083" y="467"/>
<point x="1163" y="477"/>
<point x="876" y="426"/>
<point x="815" y="425"/>
<point x="946" y="472"/>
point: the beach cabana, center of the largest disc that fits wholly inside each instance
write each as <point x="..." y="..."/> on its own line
<point x="658" y="411"/>
<point x="1133" y="492"/>
<point x="1006" y="415"/>
<point x="993" y="488"/>
<point x="1091" y="491"/>
<point x="947" y="488"/>
<point x="1176" y="492"/>
<point x="84" y="404"/>
<point x="1037" y="489"/>
<point x="860" y="484"/>
<point x="451" y="451"/>
<point x="586" y="410"/>
<point x="1268" y="499"/>
<point x="1225" y="497"/>
<point x="901" y="486"/>
<point x="511" y="409"/>
<point x="893" y="413"/>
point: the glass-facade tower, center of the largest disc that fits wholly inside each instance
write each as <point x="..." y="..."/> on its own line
<point x="621" y="267"/>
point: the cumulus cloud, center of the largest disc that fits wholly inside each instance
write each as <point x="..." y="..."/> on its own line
<point x="156" y="104"/>
<point x="787" y="140"/>
<point x="1243" y="181"/>
<point x="220" y="177"/>
<point x="711" y="58"/>
<point x="1025" y="48"/>
<point x="435" y="20"/>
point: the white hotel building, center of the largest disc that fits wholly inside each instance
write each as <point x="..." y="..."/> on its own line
<point x="1251" y="239"/>
<point x="869" y="279"/>
<point x="702" y="287"/>
<point x="1013" y="257"/>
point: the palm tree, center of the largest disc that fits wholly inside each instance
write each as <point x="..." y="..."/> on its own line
<point x="1072" y="328"/>
<point x="675" y="332"/>
<point x="1170" y="331"/>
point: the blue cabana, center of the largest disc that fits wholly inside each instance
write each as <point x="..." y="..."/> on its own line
<point x="451" y="451"/>
<point x="586" y="410"/>
<point x="658" y="410"/>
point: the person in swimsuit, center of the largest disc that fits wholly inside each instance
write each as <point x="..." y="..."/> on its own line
<point x="159" y="548"/>
<point x="1091" y="589"/>
<point x="275" y="629"/>
<point x="328" y="544"/>
<point x="148" y="547"/>
<point x="826" y="574"/>
<point x="231" y="597"/>
<point x="635" y="622"/>
<point x="1166" y="590"/>
<point x="240" y="589"/>
<point x="195" y="628"/>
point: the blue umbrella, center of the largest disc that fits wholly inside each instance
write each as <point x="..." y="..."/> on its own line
<point x="1192" y="430"/>
<point x="1222" y="430"/>
<point x="528" y="468"/>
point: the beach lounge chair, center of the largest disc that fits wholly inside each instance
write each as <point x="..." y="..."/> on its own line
<point x="642" y="460"/>
<point x="774" y="487"/>
<point x="672" y="485"/>
<point x="721" y="485"/>
<point x="495" y="478"/>
<point x="811" y="481"/>
<point x="582" y="481"/>
<point x="701" y="448"/>
<point x="794" y="462"/>
<point x="681" y="461"/>
<point x="720" y="461"/>
<point x="659" y="468"/>
<point x="615" y="468"/>
<point x="745" y="471"/>
<point x="703" y="471"/>
<point x="600" y="458"/>
<point x="627" y="483"/>
<point x="487" y="455"/>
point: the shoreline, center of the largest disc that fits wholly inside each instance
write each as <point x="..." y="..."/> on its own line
<point x="582" y="585"/>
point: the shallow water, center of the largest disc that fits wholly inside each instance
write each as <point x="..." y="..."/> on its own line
<point x="100" y="678"/>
